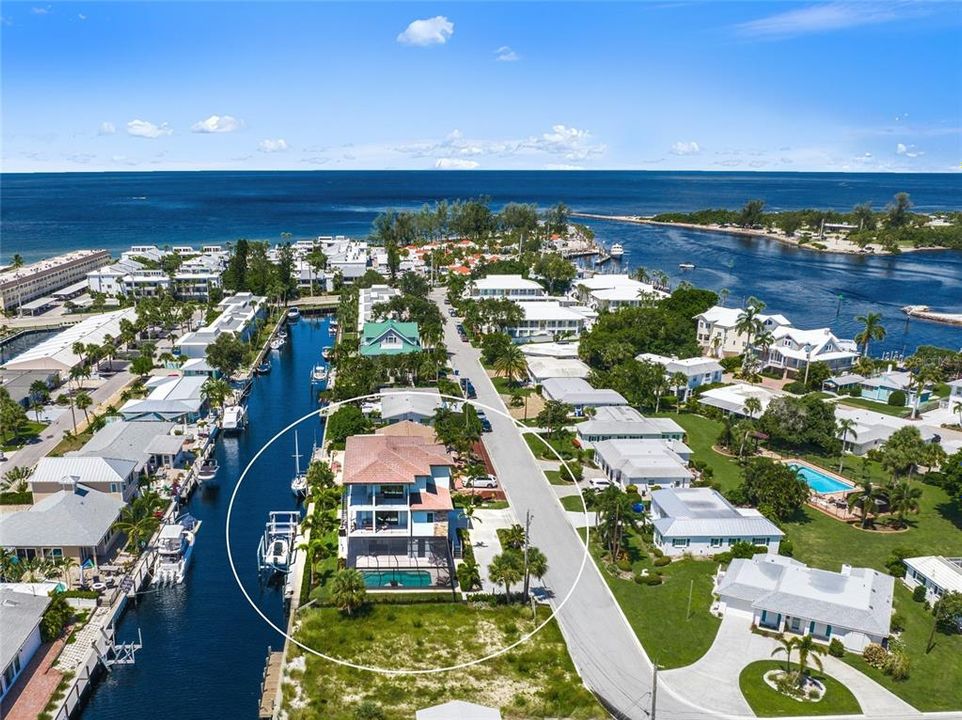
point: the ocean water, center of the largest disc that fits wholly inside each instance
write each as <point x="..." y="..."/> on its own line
<point x="43" y="214"/>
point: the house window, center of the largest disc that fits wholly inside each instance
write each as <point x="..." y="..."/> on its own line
<point x="429" y="517"/>
<point x="716" y="542"/>
<point x="679" y="542"/>
<point x="759" y="541"/>
<point x="114" y="487"/>
<point x="392" y="491"/>
<point x="732" y="541"/>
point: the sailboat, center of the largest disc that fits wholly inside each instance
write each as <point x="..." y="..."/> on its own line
<point x="299" y="482"/>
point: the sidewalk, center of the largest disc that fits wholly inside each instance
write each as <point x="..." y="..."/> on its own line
<point x="35" y="688"/>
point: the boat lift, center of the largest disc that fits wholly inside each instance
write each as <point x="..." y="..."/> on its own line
<point x="118" y="653"/>
<point x="276" y="550"/>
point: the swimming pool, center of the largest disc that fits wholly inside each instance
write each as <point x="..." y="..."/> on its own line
<point x="819" y="481"/>
<point x="397" y="578"/>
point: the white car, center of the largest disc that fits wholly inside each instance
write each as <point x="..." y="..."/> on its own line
<point x="482" y="481"/>
<point x="599" y="483"/>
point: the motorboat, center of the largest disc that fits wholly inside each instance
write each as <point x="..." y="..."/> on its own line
<point x="293" y="314"/>
<point x="175" y="546"/>
<point x="332" y="327"/>
<point x="326" y="353"/>
<point x="299" y="481"/>
<point x="208" y="471"/>
<point x="617" y="250"/>
<point x="686" y="266"/>
<point x="319" y="373"/>
<point x="276" y="551"/>
<point x="235" y="418"/>
<point x="263" y="369"/>
<point x="277" y="343"/>
<point x="282" y="334"/>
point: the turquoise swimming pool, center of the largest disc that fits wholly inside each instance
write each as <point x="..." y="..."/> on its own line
<point x="397" y="578"/>
<point x="819" y="481"/>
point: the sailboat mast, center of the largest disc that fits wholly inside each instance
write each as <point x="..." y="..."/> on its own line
<point x="297" y="457"/>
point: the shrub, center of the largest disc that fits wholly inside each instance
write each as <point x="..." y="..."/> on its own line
<point x="786" y="548"/>
<point x="368" y="710"/>
<point x="631" y="489"/>
<point x="662" y="560"/>
<point x="896" y="399"/>
<point x="575" y="469"/>
<point x="469" y="576"/>
<point x="898" y="623"/>
<point x="624" y="564"/>
<point x="723" y="557"/>
<point x="875" y="655"/>
<point x="918" y="593"/>
<point x="796" y="387"/>
<point x="657" y="552"/>
<point x="898" y="665"/>
<point x="743" y="550"/>
<point x="836" y="648"/>
<point x="653" y="580"/>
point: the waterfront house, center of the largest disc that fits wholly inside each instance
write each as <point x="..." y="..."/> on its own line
<point x="240" y="316"/>
<point x="19" y="286"/>
<point x="546" y="319"/>
<point x="76" y="522"/>
<point x="794" y="350"/>
<point x="843" y="384"/>
<point x="20" y="616"/>
<point x="610" y="292"/>
<point x="113" y="476"/>
<point x="716" y="330"/>
<point x="542" y="368"/>
<point x="730" y="399"/>
<point x="390" y="337"/>
<point x="699" y="521"/>
<point x="109" y="279"/>
<point x="881" y="387"/>
<point x="698" y="370"/>
<point x="939" y="575"/>
<point x="172" y="398"/>
<point x="645" y="463"/>
<point x="579" y="394"/>
<point x="149" y="445"/>
<point x="783" y="595"/>
<point x="397" y="509"/>
<point x="367" y="298"/>
<point x="510" y="287"/>
<point x="199" y="367"/>
<point x="413" y="404"/>
<point x="622" y="422"/>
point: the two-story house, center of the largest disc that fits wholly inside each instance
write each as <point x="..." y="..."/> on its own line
<point x="390" y="337"/>
<point x="794" y="350"/>
<point x="698" y="371"/>
<point x="397" y="510"/>
<point x="717" y="334"/>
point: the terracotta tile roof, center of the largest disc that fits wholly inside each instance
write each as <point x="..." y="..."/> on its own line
<point x="408" y="428"/>
<point x="390" y="459"/>
<point x="436" y="497"/>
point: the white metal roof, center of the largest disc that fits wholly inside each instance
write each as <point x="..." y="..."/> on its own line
<point x="542" y="368"/>
<point x="85" y="469"/>
<point x="506" y="282"/>
<point x="548" y="310"/>
<point x="942" y="571"/>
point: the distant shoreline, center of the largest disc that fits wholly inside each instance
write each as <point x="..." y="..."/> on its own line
<point x="832" y="244"/>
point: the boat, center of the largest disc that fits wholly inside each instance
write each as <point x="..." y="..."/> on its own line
<point x="319" y="373"/>
<point x="617" y="250"/>
<point x="276" y="551"/>
<point x="264" y="368"/>
<point x="299" y="481"/>
<point x="277" y="343"/>
<point x="282" y="334"/>
<point x="332" y="328"/>
<point x="175" y="545"/>
<point x="207" y="471"/>
<point x="686" y="266"/>
<point x="235" y="418"/>
<point x="326" y="353"/>
<point x="293" y="314"/>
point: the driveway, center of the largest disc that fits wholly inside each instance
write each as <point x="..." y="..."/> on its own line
<point x="712" y="682"/>
<point x="484" y="540"/>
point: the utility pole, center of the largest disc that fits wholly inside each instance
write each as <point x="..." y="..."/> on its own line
<point x="527" y="542"/>
<point x="691" y="588"/>
<point x="654" y="689"/>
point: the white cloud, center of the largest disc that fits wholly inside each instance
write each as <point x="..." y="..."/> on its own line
<point x="506" y="54"/>
<point x="81" y="16"/>
<point x="821" y="17"/>
<point x="455" y="164"/>
<point x="273" y="145"/>
<point x="146" y="129"/>
<point x="430" y="31"/>
<point x="685" y="148"/>
<point x="41" y="10"/>
<point x="217" y="124"/>
<point x="106" y="128"/>
<point x="562" y="166"/>
<point x="568" y="143"/>
<point x="908" y="151"/>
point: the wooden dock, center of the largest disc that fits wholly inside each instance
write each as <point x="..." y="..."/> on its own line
<point x="271" y="684"/>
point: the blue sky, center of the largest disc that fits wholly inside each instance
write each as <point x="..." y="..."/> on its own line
<point x="828" y="86"/>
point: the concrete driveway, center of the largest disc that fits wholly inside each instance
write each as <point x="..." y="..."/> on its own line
<point x="484" y="540"/>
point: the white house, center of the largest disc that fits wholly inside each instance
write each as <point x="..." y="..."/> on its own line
<point x="614" y="422"/>
<point x="784" y="595"/>
<point x="730" y="399"/>
<point x="367" y="298"/>
<point x="172" y="398"/>
<point x="109" y="279"/>
<point x="939" y="575"/>
<point x="20" y="616"/>
<point x="546" y="319"/>
<point x="113" y="476"/>
<point x="542" y="368"/>
<point x="239" y="315"/>
<point x="872" y="429"/>
<point x="645" y="463"/>
<point x="414" y="404"/>
<point x="699" y="370"/>
<point x="579" y="394"/>
<point x="794" y="350"/>
<point x="555" y="350"/>
<point x="610" y="292"/>
<point x="699" y="521"/>
<point x="716" y="330"/>
<point x="511" y="287"/>
<point x="149" y="445"/>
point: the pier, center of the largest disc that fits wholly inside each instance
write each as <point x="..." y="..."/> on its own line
<point x="271" y="684"/>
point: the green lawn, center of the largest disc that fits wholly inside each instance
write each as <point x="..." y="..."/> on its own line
<point x="934" y="674"/>
<point x="536" y="679"/>
<point x="876" y="406"/>
<point x="573" y="503"/>
<point x="71" y="443"/>
<point x="767" y="702"/>
<point x="563" y="445"/>
<point x="701" y="433"/>
<point x="659" y="614"/>
<point x="29" y="430"/>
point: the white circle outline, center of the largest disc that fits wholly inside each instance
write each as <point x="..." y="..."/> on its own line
<point x="326" y="410"/>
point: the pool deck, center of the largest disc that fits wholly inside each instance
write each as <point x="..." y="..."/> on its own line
<point x="833" y="503"/>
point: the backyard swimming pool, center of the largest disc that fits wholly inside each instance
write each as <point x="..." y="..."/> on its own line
<point x="397" y="578"/>
<point x="819" y="481"/>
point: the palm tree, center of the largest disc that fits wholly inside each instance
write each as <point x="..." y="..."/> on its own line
<point x="39" y="390"/>
<point x="615" y="516"/>
<point x="679" y="381"/>
<point x="808" y="650"/>
<point x="872" y="329"/>
<point x="752" y="406"/>
<point x="215" y="391"/>
<point x="138" y="520"/>
<point x="15" y="479"/>
<point x="658" y="387"/>
<point x="921" y="380"/>
<point x="506" y="569"/>
<point x="903" y="499"/>
<point x="786" y="645"/>
<point x="83" y="401"/>
<point x="867" y="500"/>
<point x="957" y="409"/>
<point x="513" y="537"/>
<point x="864" y="366"/>
<point x="511" y="363"/>
<point x="348" y="591"/>
<point x="845" y="427"/>
<point x="537" y="567"/>
<point x="79" y="349"/>
<point x="65" y="564"/>
<point x="35" y="569"/>
<point x="763" y="341"/>
<point x="748" y="323"/>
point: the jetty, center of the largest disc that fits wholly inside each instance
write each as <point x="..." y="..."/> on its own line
<point x="271" y="684"/>
<point x="924" y="312"/>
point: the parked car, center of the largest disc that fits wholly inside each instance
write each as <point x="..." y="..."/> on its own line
<point x="468" y="388"/>
<point x="485" y="423"/>
<point x="452" y="312"/>
<point x="599" y="483"/>
<point x="481" y="481"/>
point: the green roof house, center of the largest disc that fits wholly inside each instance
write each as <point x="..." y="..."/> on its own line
<point x="389" y="338"/>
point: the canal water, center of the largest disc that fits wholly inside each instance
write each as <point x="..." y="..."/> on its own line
<point x="203" y="645"/>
